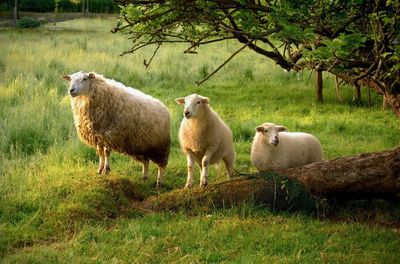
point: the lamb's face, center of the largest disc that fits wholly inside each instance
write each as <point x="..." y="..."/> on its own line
<point x="193" y="105"/>
<point x="270" y="133"/>
<point x="79" y="83"/>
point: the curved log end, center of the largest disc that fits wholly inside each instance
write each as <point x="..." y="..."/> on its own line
<point x="265" y="189"/>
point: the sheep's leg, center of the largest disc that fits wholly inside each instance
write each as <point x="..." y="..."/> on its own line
<point x="160" y="176"/>
<point x="190" y="168"/>
<point x="145" y="169"/>
<point x="229" y="166"/>
<point x="205" y="162"/>
<point x="100" y="152"/>
<point x="107" y="168"/>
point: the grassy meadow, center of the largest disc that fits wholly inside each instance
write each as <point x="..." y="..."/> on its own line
<point x="54" y="208"/>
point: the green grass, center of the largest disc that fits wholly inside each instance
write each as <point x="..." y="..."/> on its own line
<point x="55" y="208"/>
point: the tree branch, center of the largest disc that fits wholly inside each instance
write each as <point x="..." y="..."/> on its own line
<point x="147" y="64"/>
<point x="222" y="65"/>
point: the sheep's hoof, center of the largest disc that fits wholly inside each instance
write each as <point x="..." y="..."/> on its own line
<point x="100" y="171"/>
<point x="158" y="185"/>
<point x="145" y="177"/>
<point x="188" y="186"/>
<point x="106" y="170"/>
<point x="203" y="184"/>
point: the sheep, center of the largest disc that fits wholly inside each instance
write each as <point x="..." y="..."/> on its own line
<point x="273" y="148"/>
<point x="112" y="117"/>
<point x="204" y="138"/>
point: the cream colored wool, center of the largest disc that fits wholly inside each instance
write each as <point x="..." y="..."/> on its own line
<point x="273" y="148"/>
<point x="204" y="138"/>
<point x="111" y="117"/>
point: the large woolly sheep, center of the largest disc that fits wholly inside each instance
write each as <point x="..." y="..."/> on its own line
<point x="273" y="148"/>
<point x="204" y="138"/>
<point x="112" y="117"/>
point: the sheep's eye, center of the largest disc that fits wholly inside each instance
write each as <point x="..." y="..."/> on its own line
<point x="266" y="130"/>
<point x="84" y="79"/>
<point x="198" y="102"/>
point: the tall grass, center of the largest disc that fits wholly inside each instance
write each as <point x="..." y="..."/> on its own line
<point x="54" y="207"/>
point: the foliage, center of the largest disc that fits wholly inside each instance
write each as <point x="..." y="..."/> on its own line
<point x="103" y="6"/>
<point x="27" y="22"/>
<point x="54" y="208"/>
<point x="356" y="40"/>
<point x="36" y="5"/>
<point x="97" y="6"/>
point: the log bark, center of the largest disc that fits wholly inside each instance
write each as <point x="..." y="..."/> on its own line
<point x="272" y="191"/>
<point x="370" y="175"/>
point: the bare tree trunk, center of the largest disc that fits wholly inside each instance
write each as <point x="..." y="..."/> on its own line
<point x="369" y="97"/>
<point x="394" y="101"/>
<point x="337" y="89"/>
<point x="15" y="18"/>
<point x="87" y="7"/>
<point x="357" y="94"/>
<point x="384" y="103"/>
<point x="370" y="175"/>
<point x="318" y="87"/>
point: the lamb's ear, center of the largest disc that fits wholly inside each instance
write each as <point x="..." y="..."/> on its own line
<point x="92" y="75"/>
<point x="205" y="100"/>
<point x="66" y="77"/>
<point x="180" y="100"/>
<point x="282" y="128"/>
<point x="260" y="129"/>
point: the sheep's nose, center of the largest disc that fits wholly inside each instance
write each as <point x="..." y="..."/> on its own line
<point x="71" y="91"/>
<point x="187" y="113"/>
<point x="275" y="141"/>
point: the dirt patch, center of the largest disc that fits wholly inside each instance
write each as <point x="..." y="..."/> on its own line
<point x="123" y="187"/>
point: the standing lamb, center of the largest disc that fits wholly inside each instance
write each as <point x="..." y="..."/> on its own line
<point x="273" y="148"/>
<point x="110" y="116"/>
<point x="204" y="138"/>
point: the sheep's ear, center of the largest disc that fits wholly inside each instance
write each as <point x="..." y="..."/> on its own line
<point x="282" y="128"/>
<point x="260" y="129"/>
<point x="205" y="100"/>
<point x="180" y="100"/>
<point x="92" y="75"/>
<point x="66" y="77"/>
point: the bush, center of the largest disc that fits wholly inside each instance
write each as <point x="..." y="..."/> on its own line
<point x="27" y="22"/>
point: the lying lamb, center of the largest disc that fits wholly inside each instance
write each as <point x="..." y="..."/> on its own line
<point x="204" y="138"/>
<point x="110" y="116"/>
<point x="273" y="148"/>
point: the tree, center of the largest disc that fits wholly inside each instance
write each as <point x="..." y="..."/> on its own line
<point x="15" y="13"/>
<point x="356" y="40"/>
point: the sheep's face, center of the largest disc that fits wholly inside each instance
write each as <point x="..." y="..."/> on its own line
<point x="193" y="104"/>
<point x="79" y="83"/>
<point x="270" y="133"/>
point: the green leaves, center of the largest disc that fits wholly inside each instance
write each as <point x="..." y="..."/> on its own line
<point x="132" y="12"/>
<point x="342" y="37"/>
<point x="345" y="45"/>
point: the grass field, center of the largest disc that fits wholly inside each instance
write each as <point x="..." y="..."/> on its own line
<point x="54" y="208"/>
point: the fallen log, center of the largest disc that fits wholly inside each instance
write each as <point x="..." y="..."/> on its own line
<point x="274" y="192"/>
<point x="370" y="175"/>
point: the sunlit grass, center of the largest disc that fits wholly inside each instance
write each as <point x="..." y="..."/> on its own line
<point x="54" y="207"/>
